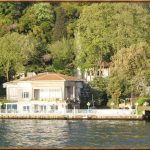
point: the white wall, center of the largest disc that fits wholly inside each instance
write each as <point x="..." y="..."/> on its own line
<point x="15" y="91"/>
<point x="24" y="87"/>
<point x="52" y="89"/>
<point x="61" y="106"/>
<point x="105" y="73"/>
<point x="12" y="92"/>
<point x="48" y="89"/>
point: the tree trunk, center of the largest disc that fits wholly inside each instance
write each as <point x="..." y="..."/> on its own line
<point x="7" y="76"/>
<point x="100" y="63"/>
<point x="7" y="71"/>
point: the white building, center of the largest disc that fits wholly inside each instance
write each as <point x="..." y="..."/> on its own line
<point x="45" y="92"/>
<point x="89" y="75"/>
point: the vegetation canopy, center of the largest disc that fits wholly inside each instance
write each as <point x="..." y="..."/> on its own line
<point x="61" y="37"/>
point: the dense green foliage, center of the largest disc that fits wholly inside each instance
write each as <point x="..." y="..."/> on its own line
<point x="63" y="54"/>
<point x="15" y="49"/>
<point x="118" y="34"/>
<point x="60" y="37"/>
<point x="103" y="29"/>
<point x="128" y="72"/>
<point x="98" y="89"/>
<point x="48" y="24"/>
<point x="95" y="93"/>
<point x="142" y="100"/>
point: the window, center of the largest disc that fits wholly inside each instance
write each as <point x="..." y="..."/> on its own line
<point x="14" y="106"/>
<point x="43" y="108"/>
<point x="51" y="93"/>
<point x="26" y="108"/>
<point x="8" y="106"/>
<point x="13" y="92"/>
<point x="11" y="107"/>
<point x="37" y="94"/>
<point x="25" y="95"/>
<point x="52" y="106"/>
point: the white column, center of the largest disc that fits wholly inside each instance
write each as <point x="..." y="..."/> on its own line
<point x="74" y="91"/>
<point x="63" y="93"/>
<point x="7" y="92"/>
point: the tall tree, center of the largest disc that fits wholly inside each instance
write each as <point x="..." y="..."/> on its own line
<point x="62" y="53"/>
<point x="128" y="71"/>
<point x="6" y="24"/>
<point x="37" y="20"/>
<point x="59" y="30"/>
<point x="72" y="13"/>
<point x="15" y="52"/>
<point x="12" y="9"/>
<point x="99" y="90"/>
<point x="102" y="29"/>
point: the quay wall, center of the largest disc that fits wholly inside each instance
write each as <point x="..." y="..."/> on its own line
<point x="79" y="114"/>
<point x="70" y="116"/>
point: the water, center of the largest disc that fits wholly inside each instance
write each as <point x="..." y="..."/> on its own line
<point x="63" y="133"/>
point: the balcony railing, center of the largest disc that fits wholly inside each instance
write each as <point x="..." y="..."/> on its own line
<point x="49" y="99"/>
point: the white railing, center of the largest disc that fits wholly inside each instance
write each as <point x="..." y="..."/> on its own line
<point x="98" y="112"/>
<point x="103" y="111"/>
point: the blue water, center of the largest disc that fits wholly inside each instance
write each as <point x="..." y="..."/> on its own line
<point x="64" y="133"/>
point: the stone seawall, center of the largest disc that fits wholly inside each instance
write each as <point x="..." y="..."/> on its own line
<point x="70" y="117"/>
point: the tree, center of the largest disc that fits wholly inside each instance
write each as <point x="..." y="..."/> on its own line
<point x="72" y="13"/>
<point x="128" y="70"/>
<point x="99" y="90"/>
<point x="59" y="30"/>
<point x="62" y="53"/>
<point x="94" y="92"/>
<point x="12" y="9"/>
<point x="6" y="24"/>
<point x="114" y="90"/>
<point x="15" y="52"/>
<point x="38" y="20"/>
<point x="102" y="29"/>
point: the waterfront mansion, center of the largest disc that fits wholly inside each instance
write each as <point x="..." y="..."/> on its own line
<point x="44" y="92"/>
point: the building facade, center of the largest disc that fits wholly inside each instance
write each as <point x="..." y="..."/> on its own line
<point x="42" y="92"/>
<point x="90" y="74"/>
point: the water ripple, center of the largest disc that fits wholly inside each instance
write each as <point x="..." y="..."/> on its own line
<point x="62" y="133"/>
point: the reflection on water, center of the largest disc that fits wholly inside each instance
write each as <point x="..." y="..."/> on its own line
<point x="63" y="133"/>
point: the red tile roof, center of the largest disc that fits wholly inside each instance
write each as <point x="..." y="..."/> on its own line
<point x="49" y="76"/>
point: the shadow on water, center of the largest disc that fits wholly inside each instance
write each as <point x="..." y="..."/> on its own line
<point x="63" y="133"/>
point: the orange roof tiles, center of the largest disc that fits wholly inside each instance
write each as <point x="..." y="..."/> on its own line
<point x="49" y="76"/>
